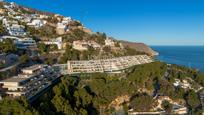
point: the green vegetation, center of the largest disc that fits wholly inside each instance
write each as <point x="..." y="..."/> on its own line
<point x="2" y="29"/>
<point x="72" y="54"/>
<point x="16" y="107"/>
<point x="131" y="51"/>
<point x="167" y="106"/>
<point x="24" y="59"/>
<point x="192" y="100"/>
<point x="141" y="102"/>
<point x="93" y="93"/>
<point x="7" y="46"/>
<point x="45" y="49"/>
<point x="180" y="72"/>
<point x="76" y="34"/>
<point x="45" y="31"/>
<point x="42" y="48"/>
<point x="52" y="20"/>
<point x="2" y="75"/>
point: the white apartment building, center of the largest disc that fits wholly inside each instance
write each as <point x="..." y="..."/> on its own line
<point x="21" y="43"/>
<point x="113" y="65"/>
<point x="16" y="30"/>
<point x="30" y="82"/>
<point x="7" y="23"/>
<point x="37" y="23"/>
<point x="25" y="43"/>
<point x="57" y="41"/>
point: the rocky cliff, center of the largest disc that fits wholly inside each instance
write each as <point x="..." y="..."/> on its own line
<point x="140" y="47"/>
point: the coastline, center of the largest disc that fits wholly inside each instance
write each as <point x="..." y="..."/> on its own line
<point x="188" y="56"/>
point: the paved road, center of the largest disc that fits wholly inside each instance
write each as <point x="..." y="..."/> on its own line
<point x="10" y="67"/>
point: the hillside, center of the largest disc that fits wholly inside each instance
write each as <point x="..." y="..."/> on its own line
<point x="140" y="47"/>
<point x="46" y="26"/>
<point x="144" y="88"/>
<point x="43" y="38"/>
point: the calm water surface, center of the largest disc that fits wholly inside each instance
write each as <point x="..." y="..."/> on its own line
<point x="190" y="56"/>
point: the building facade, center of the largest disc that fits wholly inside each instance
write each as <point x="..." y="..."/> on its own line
<point x="30" y="82"/>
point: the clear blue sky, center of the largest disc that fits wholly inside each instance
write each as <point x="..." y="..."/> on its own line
<point x="154" y="22"/>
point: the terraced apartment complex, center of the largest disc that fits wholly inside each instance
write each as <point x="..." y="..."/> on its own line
<point x="30" y="82"/>
<point x="113" y="65"/>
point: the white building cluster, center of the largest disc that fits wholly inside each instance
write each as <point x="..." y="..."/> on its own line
<point x="57" y="41"/>
<point x="187" y="84"/>
<point x="36" y="23"/>
<point x="14" y="16"/>
<point x="13" y="27"/>
<point x="84" y="45"/>
<point x="177" y="108"/>
<point x="21" y="43"/>
<point x="30" y="82"/>
<point x="62" y="27"/>
<point x="106" y="65"/>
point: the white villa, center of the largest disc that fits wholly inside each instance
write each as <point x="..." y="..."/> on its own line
<point x="37" y="23"/>
<point x="57" y="41"/>
<point x="16" y="30"/>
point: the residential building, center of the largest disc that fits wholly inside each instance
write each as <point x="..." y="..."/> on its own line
<point x="57" y="41"/>
<point x="27" y="19"/>
<point x="7" y="23"/>
<point x="37" y="23"/>
<point x="83" y="45"/>
<point x="80" y="45"/>
<point x="184" y="84"/>
<point x="30" y="82"/>
<point x="16" y="30"/>
<point x="21" y="43"/>
<point x="26" y="43"/>
<point x="43" y="16"/>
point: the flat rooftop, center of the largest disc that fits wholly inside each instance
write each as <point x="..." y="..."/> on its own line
<point x="34" y="67"/>
<point x="14" y="79"/>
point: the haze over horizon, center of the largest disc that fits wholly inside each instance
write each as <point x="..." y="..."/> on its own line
<point x="158" y="22"/>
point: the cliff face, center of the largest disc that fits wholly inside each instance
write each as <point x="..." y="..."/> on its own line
<point x="140" y="47"/>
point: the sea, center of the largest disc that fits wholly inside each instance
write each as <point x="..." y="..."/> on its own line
<point x="189" y="56"/>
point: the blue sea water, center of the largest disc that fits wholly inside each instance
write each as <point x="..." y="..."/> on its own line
<point x="190" y="56"/>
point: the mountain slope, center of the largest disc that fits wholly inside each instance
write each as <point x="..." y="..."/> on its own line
<point x="140" y="47"/>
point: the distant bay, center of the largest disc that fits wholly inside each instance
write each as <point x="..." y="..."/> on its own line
<point x="190" y="56"/>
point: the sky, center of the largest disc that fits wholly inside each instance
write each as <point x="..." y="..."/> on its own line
<point x="154" y="22"/>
